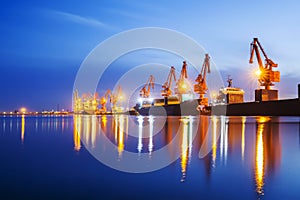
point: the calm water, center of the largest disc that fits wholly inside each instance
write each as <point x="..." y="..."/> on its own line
<point x="244" y="157"/>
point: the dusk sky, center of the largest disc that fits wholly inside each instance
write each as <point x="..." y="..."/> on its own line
<point x="43" y="43"/>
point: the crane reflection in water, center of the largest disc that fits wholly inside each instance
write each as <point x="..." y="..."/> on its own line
<point x="222" y="137"/>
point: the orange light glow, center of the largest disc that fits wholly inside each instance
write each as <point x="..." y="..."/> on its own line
<point x="257" y="72"/>
<point x="214" y="94"/>
<point x="263" y="119"/>
<point x="23" y="110"/>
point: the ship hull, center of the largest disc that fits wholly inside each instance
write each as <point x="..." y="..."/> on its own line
<point x="288" y="107"/>
<point x="180" y="109"/>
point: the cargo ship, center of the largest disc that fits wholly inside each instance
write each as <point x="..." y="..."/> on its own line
<point x="283" y="107"/>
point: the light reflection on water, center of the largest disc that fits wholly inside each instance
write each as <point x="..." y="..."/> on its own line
<point x="23" y="128"/>
<point x="255" y="143"/>
<point x="267" y="148"/>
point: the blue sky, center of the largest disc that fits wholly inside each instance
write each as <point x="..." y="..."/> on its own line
<point x="44" y="42"/>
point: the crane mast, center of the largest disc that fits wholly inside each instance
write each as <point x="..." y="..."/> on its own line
<point x="201" y="87"/>
<point x="266" y="74"/>
<point x="166" y="91"/>
<point x="145" y="91"/>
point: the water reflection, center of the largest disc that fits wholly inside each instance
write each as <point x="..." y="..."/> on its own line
<point x="119" y="131"/>
<point x="4" y="125"/>
<point x="186" y="145"/>
<point x="77" y="129"/>
<point x="259" y="159"/>
<point x="243" y="138"/>
<point x="23" y="128"/>
<point x="150" y="145"/>
<point x="226" y="138"/>
<point x="267" y="151"/>
<point x="140" y="137"/>
<point x="145" y="132"/>
<point x="10" y="125"/>
<point x="214" y="138"/>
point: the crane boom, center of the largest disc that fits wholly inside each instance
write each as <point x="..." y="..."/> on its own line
<point x="183" y="73"/>
<point x="200" y="87"/>
<point x="168" y="84"/>
<point x="145" y="91"/>
<point x="254" y="48"/>
<point x="205" y="66"/>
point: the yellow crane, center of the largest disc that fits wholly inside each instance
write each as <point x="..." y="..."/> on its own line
<point x="104" y="100"/>
<point x="167" y="91"/>
<point x="77" y="102"/>
<point x="89" y="103"/>
<point x="201" y="87"/>
<point x="145" y="91"/>
<point x="266" y="74"/>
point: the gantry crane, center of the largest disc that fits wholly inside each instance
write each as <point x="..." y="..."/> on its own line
<point x="182" y="86"/>
<point x="266" y="73"/>
<point x="145" y="91"/>
<point x="167" y="91"/>
<point x="200" y="87"/>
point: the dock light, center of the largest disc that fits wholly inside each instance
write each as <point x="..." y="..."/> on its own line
<point x="214" y="94"/>
<point x="257" y="72"/>
<point x="23" y="110"/>
<point x="140" y="100"/>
